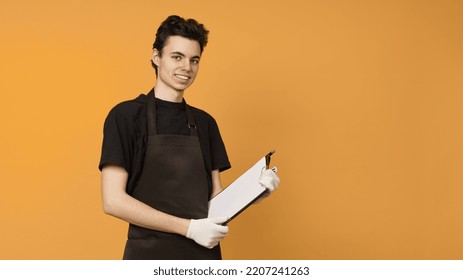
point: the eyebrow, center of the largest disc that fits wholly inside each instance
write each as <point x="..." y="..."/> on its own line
<point x="181" y="54"/>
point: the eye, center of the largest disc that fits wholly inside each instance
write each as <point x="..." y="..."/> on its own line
<point x="177" y="57"/>
<point x="195" y="61"/>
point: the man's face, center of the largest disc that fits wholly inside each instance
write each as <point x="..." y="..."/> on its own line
<point x="178" y="64"/>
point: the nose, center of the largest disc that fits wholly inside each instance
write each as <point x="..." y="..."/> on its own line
<point x="187" y="65"/>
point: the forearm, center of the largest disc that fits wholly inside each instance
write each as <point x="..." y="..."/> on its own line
<point x="118" y="203"/>
<point x="216" y="183"/>
<point x="138" y="213"/>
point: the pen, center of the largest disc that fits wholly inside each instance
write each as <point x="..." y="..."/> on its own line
<point x="267" y="159"/>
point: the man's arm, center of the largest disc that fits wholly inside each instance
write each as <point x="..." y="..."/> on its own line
<point x="117" y="203"/>
<point x="216" y="183"/>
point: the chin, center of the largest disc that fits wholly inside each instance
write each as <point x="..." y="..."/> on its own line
<point x="182" y="87"/>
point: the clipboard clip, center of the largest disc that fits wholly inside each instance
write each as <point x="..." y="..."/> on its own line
<point x="267" y="159"/>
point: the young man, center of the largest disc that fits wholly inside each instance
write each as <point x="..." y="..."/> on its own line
<point x="161" y="158"/>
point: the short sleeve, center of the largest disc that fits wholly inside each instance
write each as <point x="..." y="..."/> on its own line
<point x="116" y="141"/>
<point x="219" y="155"/>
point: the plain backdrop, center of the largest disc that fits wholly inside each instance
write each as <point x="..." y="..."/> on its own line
<point x="362" y="101"/>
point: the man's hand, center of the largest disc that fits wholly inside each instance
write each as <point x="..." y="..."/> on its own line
<point x="269" y="180"/>
<point x="207" y="232"/>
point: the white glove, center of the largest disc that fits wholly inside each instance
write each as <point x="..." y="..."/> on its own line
<point x="207" y="232"/>
<point x="269" y="179"/>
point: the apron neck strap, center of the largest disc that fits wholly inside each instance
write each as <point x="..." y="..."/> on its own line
<point x="151" y="116"/>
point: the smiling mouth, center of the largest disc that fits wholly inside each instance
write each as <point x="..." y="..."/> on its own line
<point x="182" y="77"/>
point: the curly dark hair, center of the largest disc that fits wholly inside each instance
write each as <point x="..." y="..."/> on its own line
<point x="178" y="26"/>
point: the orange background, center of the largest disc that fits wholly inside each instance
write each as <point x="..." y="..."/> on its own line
<point x="362" y="100"/>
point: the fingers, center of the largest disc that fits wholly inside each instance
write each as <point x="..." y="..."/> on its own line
<point x="217" y="232"/>
<point x="207" y="232"/>
<point x="269" y="179"/>
<point x="220" y="230"/>
<point x="223" y="230"/>
<point x="219" y="220"/>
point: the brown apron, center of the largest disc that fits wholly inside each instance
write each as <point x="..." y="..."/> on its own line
<point x="173" y="181"/>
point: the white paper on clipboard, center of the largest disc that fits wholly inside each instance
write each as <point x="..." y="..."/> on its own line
<point x="239" y="194"/>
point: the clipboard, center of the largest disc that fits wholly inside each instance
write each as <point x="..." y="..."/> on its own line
<point x="240" y="194"/>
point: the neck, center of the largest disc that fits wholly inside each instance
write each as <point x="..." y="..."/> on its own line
<point x="168" y="94"/>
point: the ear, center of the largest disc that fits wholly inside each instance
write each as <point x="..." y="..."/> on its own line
<point x="156" y="57"/>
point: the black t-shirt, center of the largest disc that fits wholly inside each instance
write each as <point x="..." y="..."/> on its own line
<point x="125" y="136"/>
